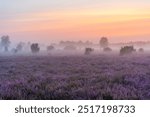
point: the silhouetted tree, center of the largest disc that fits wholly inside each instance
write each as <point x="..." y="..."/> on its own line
<point x="14" y="50"/>
<point x="88" y="51"/>
<point x="5" y="42"/>
<point x="127" y="50"/>
<point x="70" y="47"/>
<point x="88" y="43"/>
<point x="49" y="48"/>
<point x="20" y="46"/>
<point x="104" y="42"/>
<point x="61" y="43"/>
<point x="141" y="50"/>
<point x="107" y="49"/>
<point x="35" y="48"/>
<point x="80" y="43"/>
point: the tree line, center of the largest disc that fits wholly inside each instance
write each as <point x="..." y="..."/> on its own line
<point x="35" y="48"/>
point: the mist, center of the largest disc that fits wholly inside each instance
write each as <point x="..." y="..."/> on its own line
<point x="9" y="47"/>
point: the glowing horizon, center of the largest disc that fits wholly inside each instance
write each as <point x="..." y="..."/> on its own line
<point x="71" y="20"/>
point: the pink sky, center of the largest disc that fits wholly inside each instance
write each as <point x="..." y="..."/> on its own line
<point x="120" y="24"/>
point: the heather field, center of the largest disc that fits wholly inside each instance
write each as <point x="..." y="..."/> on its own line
<point x="75" y="77"/>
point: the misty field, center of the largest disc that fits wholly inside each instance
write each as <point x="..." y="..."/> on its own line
<point x="75" y="77"/>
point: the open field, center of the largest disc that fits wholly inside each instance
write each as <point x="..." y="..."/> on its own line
<point x="75" y="77"/>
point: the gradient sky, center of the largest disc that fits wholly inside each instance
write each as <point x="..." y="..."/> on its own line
<point x="55" y="20"/>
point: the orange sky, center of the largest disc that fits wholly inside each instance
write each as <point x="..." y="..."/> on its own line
<point x="118" y="24"/>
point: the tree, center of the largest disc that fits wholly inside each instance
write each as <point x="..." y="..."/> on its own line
<point x="50" y="48"/>
<point x="35" y="48"/>
<point x="88" y="51"/>
<point x="104" y="42"/>
<point x="127" y="50"/>
<point x="20" y="46"/>
<point x="5" y="42"/>
<point x="70" y="47"/>
<point x="107" y="49"/>
<point x="14" y="50"/>
<point x="141" y="50"/>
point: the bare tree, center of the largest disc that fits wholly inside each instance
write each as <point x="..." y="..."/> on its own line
<point x="5" y="42"/>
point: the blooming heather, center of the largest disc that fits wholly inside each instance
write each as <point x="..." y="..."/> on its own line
<point x="75" y="77"/>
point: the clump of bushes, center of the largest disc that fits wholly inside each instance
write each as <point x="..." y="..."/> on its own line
<point x="5" y="42"/>
<point x="127" y="50"/>
<point x="18" y="48"/>
<point x="88" y="51"/>
<point x="104" y="42"/>
<point x="107" y="49"/>
<point x="50" y="48"/>
<point x="70" y="47"/>
<point x="14" y="50"/>
<point x="141" y="50"/>
<point x="35" y="48"/>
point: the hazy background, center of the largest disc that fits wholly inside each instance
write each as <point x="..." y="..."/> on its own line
<point x="52" y="21"/>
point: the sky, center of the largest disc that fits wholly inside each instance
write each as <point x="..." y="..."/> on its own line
<point x="55" y="20"/>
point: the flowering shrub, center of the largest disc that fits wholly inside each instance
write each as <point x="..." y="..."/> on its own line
<point x="80" y="77"/>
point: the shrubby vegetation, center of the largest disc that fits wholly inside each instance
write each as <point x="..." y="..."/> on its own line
<point x="20" y="46"/>
<point x="107" y="49"/>
<point x="73" y="77"/>
<point x="141" y="50"/>
<point x="74" y="46"/>
<point x="70" y="47"/>
<point x="35" y="48"/>
<point x="74" y="43"/>
<point x="104" y="42"/>
<point x="5" y="43"/>
<point x="127" y="50"/>
<point x="50" y="48"/>
<point x="14" y="51"/>
<point x="80" y="77"/>
<point x="88" y="51"/>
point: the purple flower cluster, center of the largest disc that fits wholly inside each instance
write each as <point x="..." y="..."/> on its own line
<point x="75" y="77"/>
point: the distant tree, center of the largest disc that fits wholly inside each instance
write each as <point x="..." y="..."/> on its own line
<point x="35" y="48"/>
<point x="14" y="50"/>
<point x="5" y="42"/>
<point x="80" y="43"/>
<point x="61" y="42"/>
<point x="20" y="46"/>
<point x="88" y="51"/>
<point x="107" y="49"/>
<point x="29" y="43"/>
<point x="70" y="47"/>
<point x="88" y="43"/>
<point x="49" y="48"/>
<point x="104" y="42"/>
<point x="127" y="50"/>
<point x="141" y="50"/>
